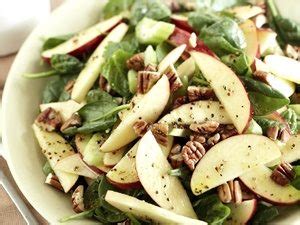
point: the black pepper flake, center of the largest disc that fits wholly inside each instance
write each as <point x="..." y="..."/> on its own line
<point x="212" y="115"/>
<point x="156" y="192"/>
<point x="168" y="199"/>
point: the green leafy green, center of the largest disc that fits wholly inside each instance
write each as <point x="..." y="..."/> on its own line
<point x="265" y="123"/>
<point x="55" y="41"/>
<point x="114" y="7"/>
<point x="296" y="181"/>
<point x="210" y="209"/>
<point x="264" y="105"/>
<point x="98" y="95"/>
<point x="219" y="5"/>
<point x="154" y="9"/>
<point x="128" y="46"/>
<point x="115" y="72"/>
<point x="202" y="18"/>
<point x="291" y="117"/>
<point x="264" y="214"/>
<point x="224" y="37"/>
<point x="239" y="63"/>
<point x="47" y="168"/>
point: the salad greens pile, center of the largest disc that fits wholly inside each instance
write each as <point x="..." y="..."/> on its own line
<point x="137" y="110"/>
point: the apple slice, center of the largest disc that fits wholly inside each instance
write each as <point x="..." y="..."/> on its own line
<point x="259" y="181"/>
<point x="181" y="22"/>
<point x="147" y="211"/>
<point x="197" y="112"/>
<point x="110" y="159"/>
<point x="81" y="141"/>
<point x="223" y="163"/>
<point x="75" y="165"/>
<point x="187" y="68"/>
<point x="56" y="148"/>
<point x="84" y="40"/>
<point x="246" y="12"/>
<point x="124" y="174"/>
<point x="152" y="167"/>
<point x="241" y="213"/>
<point x="171" y="58"/>
<point x="249" y="30"/>
<point x="92" y="154"/>
<point x="284" y="67"/>
<point x="228" y="88"/>
<point x="66" y="109"/>
<point x="291" y="151"/>
<point x="135" y="100"/>
<point x="148" y="109"/>
<point x="268" y="43"/>
<point x="90" y="73"/>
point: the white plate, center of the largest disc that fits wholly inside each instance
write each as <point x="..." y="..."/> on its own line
<point x="20" y="107"/>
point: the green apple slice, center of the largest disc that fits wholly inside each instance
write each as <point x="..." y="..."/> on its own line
<point x="187" y="68"/>
<point x="56" y="148"/>
<point x="259" y="181"/>
<point x="78" y="42"/>
<point x="147" y="211"/>
<point x="124" y="174"/>
<point x="197" y="112"/>
<point x="227" y="87"/>
<point x="81" y="141"/>
<point x="148" y="109"/>
<point x="152" y="168"/>
<point x="241" y="213"/>
<point x="231" y="158"/>
<point x="284" y="67"/>
<point x="110" y="159"/>
<point x="74" y="164"/>
<point x="291" y="150"/>
<point x="92" y="154"/>
<point x="65" y="109"/>
<point x="246" y="12"/>
<point x="91" y="71"/>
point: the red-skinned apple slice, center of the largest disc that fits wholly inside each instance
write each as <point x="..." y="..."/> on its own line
<point x="90" y="73"/>
<point x="227" y="87"/>
<point x="124" y="174"/>
<point x="249" y="30"/>
<point x="291" y="151"/>
<point x="181" y="22"/>
<point x="152" y="168"/>
<point x="231" y="158"/>
<point x="75" y="165"/>
<point x="241" y="213"/>
<point x="112" y="158"/>
<point x="259" y="181"/>
<point x="246" y="12"/>
<point x="147" y="211"/>
<point x="85" y="40"/>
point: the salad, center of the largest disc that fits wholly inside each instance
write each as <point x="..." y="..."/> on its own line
<point x="174" y="112"/>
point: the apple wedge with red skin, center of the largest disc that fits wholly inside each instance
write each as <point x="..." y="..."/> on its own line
<point x="258" y="180"/>
<point x="227" y="87"/>
<point x="181" y="22"/>
<point x="85" y="40"/>
<point x="241" y="213"/>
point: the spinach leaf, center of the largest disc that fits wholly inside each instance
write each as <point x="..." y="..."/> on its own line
<point x="219" y="5"/>
<point x="115" y="71"/>
<point x="128" y="46"/>
<point x="291" y="117"/>
<point x="78" y="216"/>
<point x="224" y="37"/>
<point x="264" y="105"/>
<point x="114" y="7"/>
<point x="66" y="64"/>
<point x="211" y="209"/>
<point x="239" y="63"/>
<point x="98" y="95"/>
<point x="202" y="18"/>
<point x="53" y="90"/>
<point x="296" y="181"/>
<point x="264" y="214"/>
<point x="258" y="86"/>
<point x="93" y="126"/>
<point x="90" y="197"/>
<point x="55" y="41"/>
<point x="153" y="9"/>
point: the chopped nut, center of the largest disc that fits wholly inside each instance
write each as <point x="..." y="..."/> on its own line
<point x="103" y="84"/>
<point x="283" y="174"/>
<point x="140" y="127"/>
<point x="175" y="82"/>
<point x="213" y="140"/>
<point x="228" y="131"/>
<point x="205" y="128"/>
<point x="284" y="135"/>
<point x="272" y="132"/>
<point x="193" y="40"/>
<point x="175" y="156"/>
<point x="196" y="93"/>
<point x="145" y="80"/>
<point x="261" y="76"/>
<point x="260" y="20"/>
<point x="230" y="192"/>
<point x="52" y="180"/>
<point x="180" y="101"/>
<point x="192" y="152"/>
<point x="292" y="52"/>
<point x="69" y="86"/>
<point x="199" y="138"/>
<point x="49" y="120"/>
<point x="160" y="132"/>
<point x="77" y="199"/>
<point x="73" y="121"/>
<point x="150" y="67"/>
<point x="136" y="62"/>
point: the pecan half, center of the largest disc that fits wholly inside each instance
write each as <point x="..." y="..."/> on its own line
<point x="69" y="86"/>
<point x="49" y="120"/>
<point x="175" y="82"/>
<point x="160" y="132"/>
<point x="180" y="101"/>
<point x="151" y="67"/>
<point x="77" y="199"/>
<point x="283" y="174"/>
<point x="228" y="131"/>
<point x="196" y="93"/>
<point x="260" y="20"/>
<point x="52" y="180"/>
<point x="199" y="138"/>
<point x="205" y="128"/>
<point x="192" y="152"/>
<point x="230" y="192"/>
<point x="213" y="140"/>
<point x="136" y="62"/>
<point x="140" y="127"/>
<point x="103" y="84"/>
<point x="145" y="80"/>
<point x="275" y="133"/>
<point x="175" y="156"/>
<point x="73" y="121"/>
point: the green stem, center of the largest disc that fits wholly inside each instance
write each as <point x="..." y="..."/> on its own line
<point x="175" y="172"/>
<point x="273" y="8"/>
<point x="113" y="111"/>
<point x="40" y="75"/>
<point x="82" y="215"/>
<point x="200" y="81"/>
